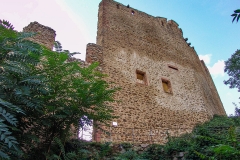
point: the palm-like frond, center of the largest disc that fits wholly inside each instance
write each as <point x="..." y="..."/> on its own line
<point x="6" y="140"/>
<point x="236" y="15"/>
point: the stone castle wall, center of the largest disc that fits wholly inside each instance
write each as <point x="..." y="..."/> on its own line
<point x="165" y="88"/>
<point x="44" y="35"/>
<point x="135" y="43"/>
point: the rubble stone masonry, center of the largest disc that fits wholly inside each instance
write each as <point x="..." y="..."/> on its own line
<point x="165" y="89"/>
<point x="44" y="35"/>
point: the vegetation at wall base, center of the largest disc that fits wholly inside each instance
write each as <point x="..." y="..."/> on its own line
<point x="44" y="98"/>
<point x="216" y="139"/>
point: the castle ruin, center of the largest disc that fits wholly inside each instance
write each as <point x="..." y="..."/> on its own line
<point x="165" y="88"/>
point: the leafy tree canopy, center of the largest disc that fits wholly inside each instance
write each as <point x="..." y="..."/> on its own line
<point x="42" y="95"/>
<point x="20" y="87"/>
<point x="232" y="68"/>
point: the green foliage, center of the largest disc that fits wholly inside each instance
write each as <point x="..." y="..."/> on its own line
<point x="235" y="15"/>
<point x="155" y="152"/>
<point x="42" y="95"/>
<point x="62" y="154"/>
<point x="177" y="144"/>
<point x="225" y="151"/>
<point x="58" y="48"/>
<point x="237" y="110"/>
<point x="76" y="97"/>
<point x="128" y="155"/>
<point x="6" y="24"/>
<point x="202" y="156"/>
<point x="75" y="92"/>
<point x="105" y="149"/>
<point x="216" y="139"/>
<point x="19" y="84"/>
<point x="232" y="68"/>
<point x="126" y="146"/>
<point x="88" y="150"/>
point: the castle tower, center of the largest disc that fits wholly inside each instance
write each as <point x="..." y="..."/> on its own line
<point x="165" y="88"/>
<point x="44" y="35"/>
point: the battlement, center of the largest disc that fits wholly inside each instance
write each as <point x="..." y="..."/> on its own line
<point x="132" y="12"/>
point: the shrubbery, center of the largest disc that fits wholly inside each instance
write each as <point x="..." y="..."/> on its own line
<point x="216" y="139"/>
<point x="42" y="95"/>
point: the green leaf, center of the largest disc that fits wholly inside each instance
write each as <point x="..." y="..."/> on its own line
<point x="6" y="140"/>
<point x="9" y="117"/>
<point x="237" y="11"/>
<point x="238" y="17"/>
<point x="9" y="144"/>
<point x="3" y="136"/>
<point x="234" y="19"/>
<point x="4" y="155"/>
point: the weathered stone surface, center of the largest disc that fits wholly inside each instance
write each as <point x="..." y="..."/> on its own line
<point x="174" y="91"/>
<point x="165" y="89"/>
<point x="44" y="35"/>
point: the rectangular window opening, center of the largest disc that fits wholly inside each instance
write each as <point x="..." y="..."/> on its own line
<point x="141" y="77"/>
<point x="166" y="86"/>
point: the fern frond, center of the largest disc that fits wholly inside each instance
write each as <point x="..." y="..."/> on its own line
<point x="33" y="81"/>
<point x="26" y="46"/>
<point x="3" y="155"/>
<point x="24" y="35"/>
<point x="57" y="46"/>
<point x="11" y="106"/>
<point x="15" y="68"/>
<point x="18" y="56"/>
<point x="24" y="100"/>
<point x="10" y="118"/>
<point x="6" y="24"/>
<point x="58" y="141"/>
<point x="6" y="138"/>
